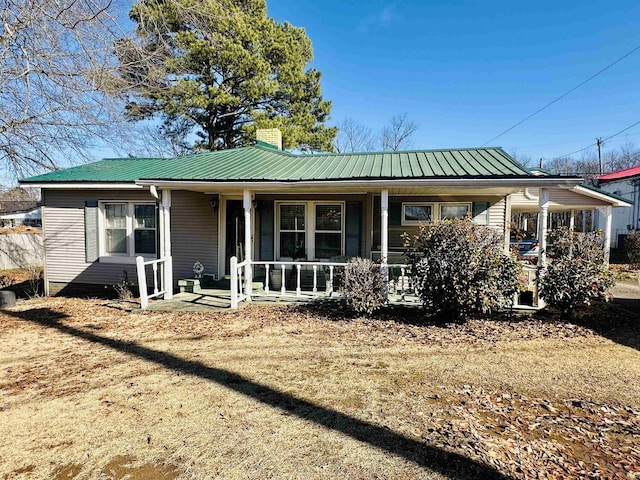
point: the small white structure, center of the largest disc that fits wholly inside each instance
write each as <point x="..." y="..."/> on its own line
<point x="626" y="184"/>
<point x="15" y="213"/>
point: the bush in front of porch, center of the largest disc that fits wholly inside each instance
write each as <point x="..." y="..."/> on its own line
<point x="577" y="272"/>
<point x="460" y="269"/>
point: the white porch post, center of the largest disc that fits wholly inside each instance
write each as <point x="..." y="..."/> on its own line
<point x="542" y="227"/>
<point x="384" y="240"/>
<point x="165" y="219"/>
<point x="248" y="275"/>
<point x="572" y="220"/>
<point x="608" y="217"/>
<point x="507" y="224"/>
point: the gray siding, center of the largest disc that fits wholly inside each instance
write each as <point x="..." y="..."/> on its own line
<point x="194" y="233"/>
<point x="64" y="237"/>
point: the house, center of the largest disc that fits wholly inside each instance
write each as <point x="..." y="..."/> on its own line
<point x="624" y="183"/>
<point x="259" y="208"/>
<point x="14" y="213"/>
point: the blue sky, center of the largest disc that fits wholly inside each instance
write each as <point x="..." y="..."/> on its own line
<point x="466" y="71"/>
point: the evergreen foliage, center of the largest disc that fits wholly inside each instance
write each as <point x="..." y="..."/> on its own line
<point x="214" y="71"/>
<point x="461" y="269"/>
<point x="632" y="247"/>
<point x="577" y="272"/>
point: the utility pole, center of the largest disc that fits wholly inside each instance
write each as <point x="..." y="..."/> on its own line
<point x="599" y="142"/>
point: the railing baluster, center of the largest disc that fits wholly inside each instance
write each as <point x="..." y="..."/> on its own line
<point x="155" y="278"/>
<point x="266" y="279"/>
<point x="315" y="280"/>
<point x="298" y="282"/>
<point x="240" y="289"/>
<point x="283" y="279"/>
<point x="330" y="292"/>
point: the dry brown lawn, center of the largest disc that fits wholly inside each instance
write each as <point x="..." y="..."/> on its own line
<point x="89" y="389"/>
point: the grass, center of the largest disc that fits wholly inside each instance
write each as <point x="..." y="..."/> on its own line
<point x="90" y="389"/>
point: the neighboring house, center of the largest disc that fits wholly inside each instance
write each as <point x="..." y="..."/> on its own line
<point x="625" y="183"/>
<point x="261" y="204"/>
<point x="24" y="212"/>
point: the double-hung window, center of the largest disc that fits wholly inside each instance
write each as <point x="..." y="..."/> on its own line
<point x="328" y="231"/>
<point x="293" y="220"/>
<point x="129" y="229"/>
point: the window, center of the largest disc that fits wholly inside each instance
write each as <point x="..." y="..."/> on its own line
<point x="416" y="213"/>
<point x="129" y="229"/>
<point x="328" y="232"/>
<point x="310" y="230"/>
<point x="449" y="211"/>
<point x="292" y="230"/>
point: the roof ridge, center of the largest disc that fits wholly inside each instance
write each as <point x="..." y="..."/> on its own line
<point x="392" y="152"/>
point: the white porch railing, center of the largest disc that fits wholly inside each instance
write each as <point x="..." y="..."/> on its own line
<point x="242" y="279"/>
<point x="158" y="268"/>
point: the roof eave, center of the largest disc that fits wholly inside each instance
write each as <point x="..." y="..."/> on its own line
<point x="400" y="182"/>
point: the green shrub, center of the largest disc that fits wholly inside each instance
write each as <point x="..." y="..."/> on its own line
<point x="576" y="273"/>
<point x="632" y="247"/>
<point x="363" y="282"/>
<point x="461" y="269"/>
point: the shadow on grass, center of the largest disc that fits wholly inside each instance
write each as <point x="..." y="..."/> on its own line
<point x="618" y="321"/>
<point x="448" y="463"/>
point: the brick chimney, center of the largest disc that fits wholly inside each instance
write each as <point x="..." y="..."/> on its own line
<point x="272" y="136"/>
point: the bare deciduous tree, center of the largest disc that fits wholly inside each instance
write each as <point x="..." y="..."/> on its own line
<point x="356" y="137"/>
<point x="397" y="135"/>
<point x="58" y="97"/>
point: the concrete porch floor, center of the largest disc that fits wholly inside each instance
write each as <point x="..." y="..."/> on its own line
<point x="212" y="300"/>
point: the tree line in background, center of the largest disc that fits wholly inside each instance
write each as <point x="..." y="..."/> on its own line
<point x="588" y="167"/>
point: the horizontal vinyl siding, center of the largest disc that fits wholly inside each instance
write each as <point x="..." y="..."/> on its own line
<point x="194" y="233"/>
<point x="64" y="237"/>
<point x="497" y="214"/>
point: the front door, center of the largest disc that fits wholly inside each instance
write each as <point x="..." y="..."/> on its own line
<point x="234" y="238"/>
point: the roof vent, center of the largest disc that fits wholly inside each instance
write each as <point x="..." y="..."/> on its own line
<point x="272" y="136"/>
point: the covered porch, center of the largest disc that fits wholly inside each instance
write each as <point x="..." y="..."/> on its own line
<point x="290" y="244"/>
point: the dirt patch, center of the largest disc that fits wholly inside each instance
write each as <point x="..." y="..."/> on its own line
<point x="66" y="472"/>
<point x="122" y="467"/>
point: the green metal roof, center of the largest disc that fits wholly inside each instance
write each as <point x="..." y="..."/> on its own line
<point x="258" y="163"/>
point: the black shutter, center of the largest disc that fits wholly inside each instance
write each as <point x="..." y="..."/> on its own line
<point x="481" y="213"/>
<point x="266" y="229"/>
<point x="91" y="231"/>
<point x="353" y="229"/>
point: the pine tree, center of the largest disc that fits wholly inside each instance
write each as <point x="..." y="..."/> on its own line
<point x="214" y="71"/>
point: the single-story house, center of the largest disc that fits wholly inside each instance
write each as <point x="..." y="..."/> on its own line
<point x="624" y="183"/>
<point x="14" y="213"/>
<point x="262" y="207"/>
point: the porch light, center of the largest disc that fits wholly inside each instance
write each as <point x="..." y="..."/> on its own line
<point x="214" y="203"/>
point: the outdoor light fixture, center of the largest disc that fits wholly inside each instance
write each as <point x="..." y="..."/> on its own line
<point x="214" y="203"/>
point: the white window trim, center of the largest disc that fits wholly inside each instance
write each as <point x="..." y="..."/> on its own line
<point x="279" y="231"/>
<point x="130" y="256"/>
<point x="310" y="225"/>
<point x="435" y="211"/>
<point x="404" y="221"/>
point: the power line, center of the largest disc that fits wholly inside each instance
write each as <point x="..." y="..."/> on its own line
<point x="563" y="95"/>
<point x="595" y="143"/>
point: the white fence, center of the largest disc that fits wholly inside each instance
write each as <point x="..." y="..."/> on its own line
<point x="21" y="250"/>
